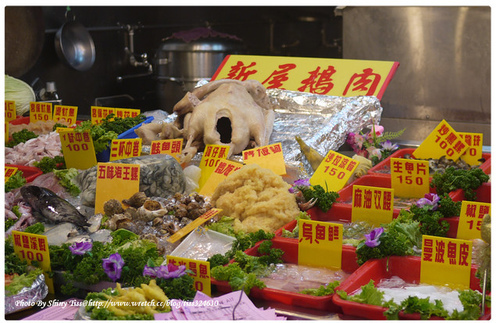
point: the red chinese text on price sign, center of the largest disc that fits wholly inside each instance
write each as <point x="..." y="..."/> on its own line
<point x="9" y="171"/>
<point x="320" y="244"/>
<point x="200" y="269"/>
<point x="372" y="204"/>
<point x="126" y="113"/>
<point x="78" y="148"/>
<point x="34" y="247"/>
<point x="125" y="148"/>
<point x="409" y="178"/>
<point x="220" y="173"/>
<point x="334" y="171"/>
<point x="471" y="219"/>
<point x="10" y="110"/>
<point x="171" y="147"/>
<point x="111" y="176"/>
<point x="446" y="261"/>
<point x="194" y="224"/>
<point x="443" y="141"/>
<point x="270" y="157"/>
<point x="472" y="155"/>
<point x="212" y="155"/>
<point x="40" y="111"/>
<point x="65" y="112"/>
<point x="99" y="113"/>
<point x="339" y="77"/>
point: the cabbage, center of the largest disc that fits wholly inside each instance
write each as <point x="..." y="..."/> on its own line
<point x="20" y="92"/>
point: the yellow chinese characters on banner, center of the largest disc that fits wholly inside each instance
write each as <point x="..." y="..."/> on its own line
<point x="99" y="113"/>
<point x="472" y="155"/>
<point x="372" y="204"/>
<point x="200" y="272"/>
<point x="34" y="247"/>
<point x="126" y="113"/>
<point x="65" y="112"/>
<point x="9" y="171"/>
<point x="326" y="76"/>
<point x="111" y="176"/>
<point x="40" y="111"/>
<point x="10" y="110"/>
<point x="471" y="219"/>
<point x="270" y="157"/>
<point x="409" y="178"/>
<point x="443" y="141"/>
<point x="334" y="171"/>
<point x="78" y="148"/>
<point x="320" y="244"/>
<point x="171" y="147"/>
<point x="446" y="262"/>
<point x="193" y="224"/>
<point x="220" y="173"/>
<point x="212" y="155"/>
<point x="125" y="148"/>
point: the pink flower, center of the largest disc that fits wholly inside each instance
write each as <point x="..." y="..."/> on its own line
<point x="374" y="152"/>
<point x="378" y="132"/>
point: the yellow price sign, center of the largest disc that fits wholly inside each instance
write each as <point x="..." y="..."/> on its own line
<point x="446" y="262"/>
<point x="471" y="219"/>
<point x="171" y="147"/>
<point x="9" y="172"/>
<point x="220" y="173"/>
<point x="200" y="272"/>
<point x="99" y="113"/>
<point x="78" y="148"/>
<point x="10" y="110"/>
<point x="194" y="224"/>
<point x="334" y="171"/>
<point x="111" y="176"/>
<point x="34" y="247"/>
<point x="212" y="155"/>
<point x="472" y="155"/>
<point x="327" y="76"/>
<point x="125" y="148"/>
<point x="409" y="178"/>
<point x="320" y="244"/>
<point x="372" y="204"/>
<point x="65" y="112"/>
<point x="40" y="111"/>
<point x="270" y="157"/>
<point x="442" y="141"/>
<point x="126" y="113"/>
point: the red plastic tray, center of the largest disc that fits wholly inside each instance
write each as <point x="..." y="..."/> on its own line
<point x="30" y="173"/>
<point x="290" y="248"/>
<point x="384" y="167"/>
<point x="407" y="268"/>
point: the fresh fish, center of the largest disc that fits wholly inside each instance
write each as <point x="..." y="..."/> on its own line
<point x="51" y="206"/>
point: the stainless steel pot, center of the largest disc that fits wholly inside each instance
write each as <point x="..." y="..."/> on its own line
<point x="75" y="46"/>
<point x="181" y="65"/>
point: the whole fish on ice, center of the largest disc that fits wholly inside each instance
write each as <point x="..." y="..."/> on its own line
<point x="51" y="206"/>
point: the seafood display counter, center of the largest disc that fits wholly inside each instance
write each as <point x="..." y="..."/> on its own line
<point x="210" y="233"/>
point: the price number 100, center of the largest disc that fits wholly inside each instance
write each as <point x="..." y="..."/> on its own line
<point x="30" y="255"/>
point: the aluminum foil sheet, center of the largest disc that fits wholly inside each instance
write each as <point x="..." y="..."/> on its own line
<point x="27" y="297"/>
<point x="322" y="121"/>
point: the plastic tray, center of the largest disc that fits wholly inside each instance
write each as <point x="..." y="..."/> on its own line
<point x="29" y="173"/>
<point x="407" y="268"/>
<point x="289" y="298"/>
<point x="103" y="156"/>
<point x="384" y="167"/>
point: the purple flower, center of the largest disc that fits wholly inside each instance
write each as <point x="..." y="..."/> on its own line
<point x="372" y="239"/>
<point x="113" y="266"/>
<point x="387" y="145"/>
<point x="429" y="199"/>
<point x="80" y="248"/>
<point x="165" y="272"/>
<point x="299" y="182"/>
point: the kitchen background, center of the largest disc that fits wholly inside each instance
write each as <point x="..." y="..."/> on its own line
<point x="444" y="52"/>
